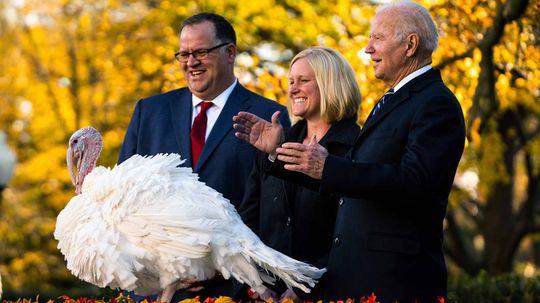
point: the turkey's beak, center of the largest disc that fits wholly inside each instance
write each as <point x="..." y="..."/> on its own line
<point x="74" y="154"/>
<point x="69" y="160"/>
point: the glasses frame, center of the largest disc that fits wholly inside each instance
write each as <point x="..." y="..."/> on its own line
<point x="198" y="53"/>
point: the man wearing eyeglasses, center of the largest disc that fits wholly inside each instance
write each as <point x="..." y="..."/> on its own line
<point x="196" y="121"/>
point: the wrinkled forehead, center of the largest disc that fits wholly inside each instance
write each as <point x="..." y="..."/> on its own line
<point x="385" y="21"/>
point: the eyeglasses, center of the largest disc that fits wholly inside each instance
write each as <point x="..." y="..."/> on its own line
<point x="198" y="54"/>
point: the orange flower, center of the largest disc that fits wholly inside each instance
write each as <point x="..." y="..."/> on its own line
<point x="224" y="299"/>
<point x="209" y="300"/>
<point x="287" y="300"/>
<point x="197" y="299"/>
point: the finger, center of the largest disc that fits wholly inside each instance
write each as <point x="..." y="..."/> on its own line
<point x="313" y="140"/>
<point x="289" y="159"/>
<point x="243" y="115"/>
<point x="294" y="167"/>
<point x="294" y="145"/>
<point x="247" y="117"/>
<point x="252" y="118"/>
<point x="288" y="152"/>
<point x="242" y="121"/>
<point x="242" y="136"/>
<point x="275" y="118"/>
<point x="242" y="128"/>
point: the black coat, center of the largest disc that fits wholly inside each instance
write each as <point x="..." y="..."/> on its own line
<point x="389" y="228"/>
<point x="293" y="219"/>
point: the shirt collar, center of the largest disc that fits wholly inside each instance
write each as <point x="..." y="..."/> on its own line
<point x="218" y="101"/>
<point x="411" y="76"/>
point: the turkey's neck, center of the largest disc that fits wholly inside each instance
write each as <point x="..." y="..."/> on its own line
<point x="88" y="163"/>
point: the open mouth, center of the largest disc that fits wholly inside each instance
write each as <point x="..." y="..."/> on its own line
<point x="299" y="100"/>
<point x="196" y="72"/>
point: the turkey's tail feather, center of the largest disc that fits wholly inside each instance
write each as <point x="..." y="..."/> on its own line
<point x="272" y="264"/>
<point x="293" y="272"/>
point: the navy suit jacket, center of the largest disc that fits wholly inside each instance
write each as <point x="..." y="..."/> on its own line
<point x="161" y="124"/>
<point x="389" y="229"/>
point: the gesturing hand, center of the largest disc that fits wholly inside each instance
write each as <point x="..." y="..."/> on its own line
<point x="265" y="136"/>
<point x="308" y="159"/>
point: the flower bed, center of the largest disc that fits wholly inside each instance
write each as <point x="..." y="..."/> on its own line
<point x="122" y="299"/>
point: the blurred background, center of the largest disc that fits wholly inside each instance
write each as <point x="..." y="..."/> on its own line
<point x="65" y="64"/>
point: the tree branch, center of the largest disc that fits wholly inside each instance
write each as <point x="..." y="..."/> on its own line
<point x="467" y="54"/>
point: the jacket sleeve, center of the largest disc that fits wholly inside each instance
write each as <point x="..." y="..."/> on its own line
<point x="277" y="169"/>
<point x="434" y="146"/>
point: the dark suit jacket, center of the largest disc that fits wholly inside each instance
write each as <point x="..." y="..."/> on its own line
<point x="292" y="219"/>
<point x="161" y="124"/>
<point x="388" y="235"/>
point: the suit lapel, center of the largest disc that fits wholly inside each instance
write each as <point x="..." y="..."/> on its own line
<point x="236" y="102"/>
<point x="181" y="111"/>
<point x="400" y="97"/>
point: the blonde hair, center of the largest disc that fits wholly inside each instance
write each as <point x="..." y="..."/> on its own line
<point x="340" y="93"/>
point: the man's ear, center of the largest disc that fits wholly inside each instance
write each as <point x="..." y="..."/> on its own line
<point x="231" y="53"/>
<point x="412" y="41"/>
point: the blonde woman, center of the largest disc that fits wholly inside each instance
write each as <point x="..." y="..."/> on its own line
<point x="324" y="98"/>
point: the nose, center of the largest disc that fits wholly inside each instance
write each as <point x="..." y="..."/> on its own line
<point x="192" y="60"/>
<point x="293" y="89"/>
<point x="369" y="48"/>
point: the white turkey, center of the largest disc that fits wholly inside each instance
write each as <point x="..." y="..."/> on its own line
<point x="147" y="225"/>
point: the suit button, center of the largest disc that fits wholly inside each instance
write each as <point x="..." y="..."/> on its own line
<point x="288" y="221"/>
<point x="337" y="241"/>
<point x="341" y="201"/>
<point x="275" y="198"/>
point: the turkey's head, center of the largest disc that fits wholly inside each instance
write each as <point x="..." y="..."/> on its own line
<point x="84" y="148"/>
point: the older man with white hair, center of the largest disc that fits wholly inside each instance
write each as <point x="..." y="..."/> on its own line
<point x="395" y="184"/>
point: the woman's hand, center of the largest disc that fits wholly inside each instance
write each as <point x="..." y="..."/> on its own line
<point x="263" y="135"/>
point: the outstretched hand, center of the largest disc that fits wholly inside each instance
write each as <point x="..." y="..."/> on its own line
<point x="304" y="158"/>
<point x="263" y="135"/>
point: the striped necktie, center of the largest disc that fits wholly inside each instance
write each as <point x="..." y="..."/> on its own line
<point x="382" y="101"/>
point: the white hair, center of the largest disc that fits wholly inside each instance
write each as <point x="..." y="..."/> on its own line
<point x="414" y="18"/>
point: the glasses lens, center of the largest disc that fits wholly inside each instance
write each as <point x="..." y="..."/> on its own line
<point x="201" y="53"/>
<point x="182" y="57"/>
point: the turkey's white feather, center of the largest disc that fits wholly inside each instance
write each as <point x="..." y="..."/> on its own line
<point x="148" y="223"/>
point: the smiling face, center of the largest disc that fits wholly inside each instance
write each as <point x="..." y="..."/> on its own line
<point x="304" y="93"/>
<point x="208" y="77"/>
<point x="388" y="53"/>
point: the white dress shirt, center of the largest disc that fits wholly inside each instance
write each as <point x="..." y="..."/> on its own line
<point x="411" y="76"/>
<point x="213" y="112"/>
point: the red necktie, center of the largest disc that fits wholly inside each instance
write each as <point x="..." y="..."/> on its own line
<point x="198" y="132"/>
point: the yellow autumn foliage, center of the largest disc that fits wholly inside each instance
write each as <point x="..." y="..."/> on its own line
<point x="68" y="64"/>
